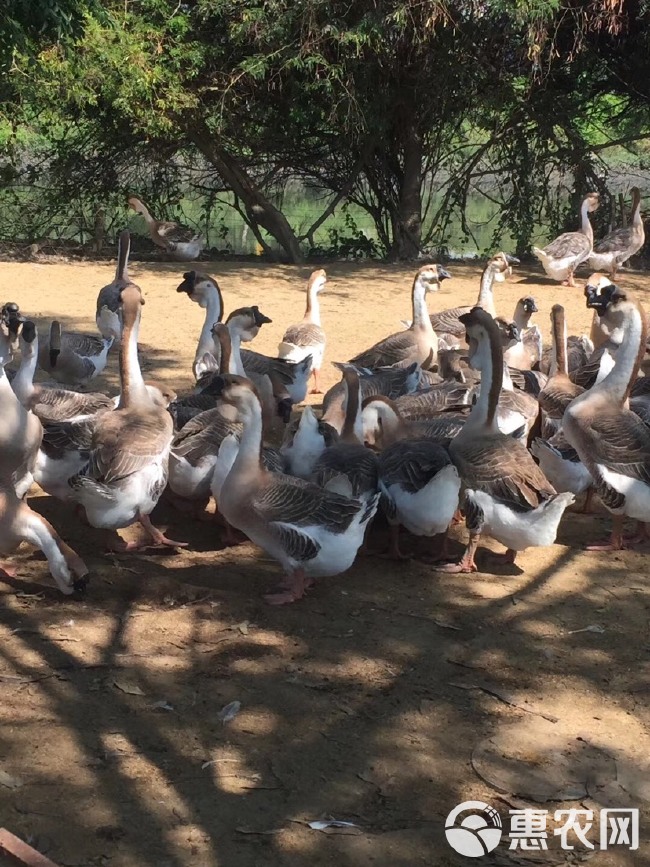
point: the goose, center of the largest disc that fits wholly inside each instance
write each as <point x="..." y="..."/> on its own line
<point x="527" y="351"/>
<point x="73" y="358"/>
<point x="108" y="314"/>
<point x="505" y="494"/>
<point x="417" y="342"/>
<point x="447" y="324"/>
<point x="303" y="442"/>
<point x="384" y="425"/>
<point x="204" y="291"/>
<point x="618" y="246"/>
<point x="420" y="488"/>
<point x="348" y="459"/>
<point x="48" y="403"/>
<point x="611" y="440"/>
<point x="313" y="532"/>
<point x="389" y="381"/>
<point x="127" y="468"/>
<point x="182" y="243"/>
<point x="20" y="436"/>
<point x="562" y="256"/>
<point x="307" y="337"/>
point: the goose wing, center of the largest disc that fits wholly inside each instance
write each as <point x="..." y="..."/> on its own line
<point x="448" y="322"/>
<point x="203" y="435"/>
<point x="621" y="443"/>
<point x="618" y="241"/>
<point x="289" y="501"/>
<point x="569" y="244"/>
<point x="173" y="233"/>
<point x="502" y="468"/>
<point x="125" y="443"/>
<point x="397" y="347"/>
<point x="66" y="436"/>
<point x="557" y="395"/>
<point x="412" y="464"/>
<point x="83" y="345"/>
<point x="57" y="404"/>
<point x="304" y="334"/>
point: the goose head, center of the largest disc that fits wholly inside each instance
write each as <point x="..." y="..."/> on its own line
<point x="509" y="333"/>
<point x="592" y="201"/>
<point x="238" y="392"/>
<point x="431" y="276"/>
<point x="528" y="305"/>
<point x="246" y="321"/>
<point x="11" y="316"/>
<point x="501" y="265"/>
<point x="136" y="205"/>
<point x="607" y="300"/>
<point x="484" y="338"/>
<point x="200" y="288"/>
<point x="317" y="280"/>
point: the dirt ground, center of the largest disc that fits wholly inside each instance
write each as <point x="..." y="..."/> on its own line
<point x="386" y="697"/>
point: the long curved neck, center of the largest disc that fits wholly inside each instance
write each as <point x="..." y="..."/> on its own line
<point x="352" y="424"/>
<point x="421" y="320"/>
<point x="483" y="413"/>
<point x="312" y="310"/>
<point x="225" y="357"/>
<point x="23" y="381"/>
<point x="133" y="389"/>
<point x="618" y="382"/>
<point x="250" y="448"/>
<point x="585" y="224"/>
<point x="558" y="336"/>
<point x="213" y="313"/>
<point x="235" y="347"/>
<point x="637" y="222"/>
<point x="144" y="210"/>
<point x="485" y="293"/>
<point x="123" y="250"/>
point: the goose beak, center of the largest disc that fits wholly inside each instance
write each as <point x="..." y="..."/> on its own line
<point x="443" y="274"/>
<point x="512" y="260"/>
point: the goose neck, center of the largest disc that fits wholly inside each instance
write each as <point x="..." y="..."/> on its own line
<point x="133" y="389"/>
<point x="23" y="381"/>
<point x="521" y="317"/>
<point x="248" y="458"/>
<point x="352" y="431"/>
<point x="618" y="382"/>
<point x="235" y="348"/>
<point x="483" y="414"/>
<point x="486" y="291"/>
<point x="586" y="227"/>
<point x="312" y="310"/>
<point x="213" y="313"/>
<point x="559" y="344"/>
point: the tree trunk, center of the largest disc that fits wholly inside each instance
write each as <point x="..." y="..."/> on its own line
<point x="407" y="222"/>
<point x="259" y="210"/>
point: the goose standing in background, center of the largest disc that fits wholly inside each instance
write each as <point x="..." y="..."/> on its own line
<point x="204" y="291"/>
<point x="419" y="342"/>
<point x="611" y="440"/>
<point x="311" y="531"/>
<point x="614" y="249"/>
<point x="180" y="242"/>
<point x="562" y="256"/>
<point x="108" y="313"/>
<point x="127" y="468"/>
<point x="307" y="337"/>
<point x="505" y="494"/>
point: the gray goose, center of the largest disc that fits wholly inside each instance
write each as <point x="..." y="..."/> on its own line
<point x="618" y="246"/>
<point x="73" y="358"/>
<point x="108" y="313"/>
<point x="562" y="256"/>
<point x="415" y="343"/>
<point x="311" y="531"/>
<point x="611" y="440"/>
<point x="505" y="494"/>
<point x="128" y="461"/>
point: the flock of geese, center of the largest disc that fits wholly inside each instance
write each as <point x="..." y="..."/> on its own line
<point x="459" y="415"/>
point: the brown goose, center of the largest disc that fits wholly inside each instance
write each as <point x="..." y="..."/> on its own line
<point x="505" y="493"/>
<point x="127" y="469"/>
<point x="617" y="247"/>
<point x="415" y="343"/>
<point x="311" y="531"/>
<point x="559" y="391"/>
<point x="307" y="337"/>
<point x="611" y="440"/>
<point x="562" y="256"/>
<point x="180" y="242"/>
<point x="447" y="324"/>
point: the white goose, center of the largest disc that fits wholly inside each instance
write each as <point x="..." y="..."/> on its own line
<point x="127" y="469"/>
<point x="312" y="532"/>
<point x="307" y="337"/>
<point x="611" y="440"/>
<point x="505" y="493"/>
<point x="204" y="291"/>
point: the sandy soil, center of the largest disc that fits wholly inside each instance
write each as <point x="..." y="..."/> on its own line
<point x="386" y="697"/>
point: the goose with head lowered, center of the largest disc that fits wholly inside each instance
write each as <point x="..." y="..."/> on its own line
<point x="562" y="256"/>
<point x="127" y="468"/>
<point x="180" y="242"/>
<point x="611" y="440"/>
<point x="416" y="343"/>
<point x="311" y="531"/>
<point x="614" y="249"/>
<point x="20" y="437"/>
<point x="505" y="494"/>
<point x="307" y="337"/>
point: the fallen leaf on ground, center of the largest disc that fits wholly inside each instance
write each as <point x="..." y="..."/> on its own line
<point x="128" y="688"/>
<point x="229" y="712"/>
